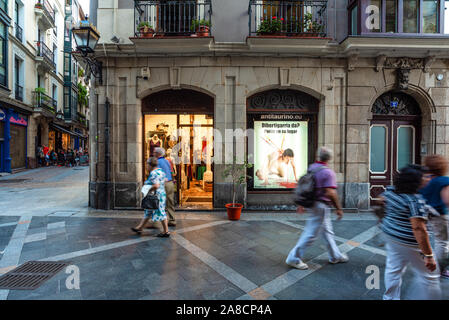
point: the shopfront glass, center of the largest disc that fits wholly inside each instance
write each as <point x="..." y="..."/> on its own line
<point x="51" y="140"/>
<point x="280" y="153"/>
<point x="65" y="141"/>
<point x="188" y="141"/>
<point x="18" y="146"/>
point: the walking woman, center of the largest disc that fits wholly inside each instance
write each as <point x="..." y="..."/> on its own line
<point x="437" y="195"/>
<point x="156" y="180"/>
<point x="407" y="239"/>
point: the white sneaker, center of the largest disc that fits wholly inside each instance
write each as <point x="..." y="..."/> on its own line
<point x="344" y="258"/>
<point x="301" y="265"/>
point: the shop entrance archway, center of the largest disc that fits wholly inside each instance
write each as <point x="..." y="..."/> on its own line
<point x="395" y="139"/>
<point x="182" y="122"/>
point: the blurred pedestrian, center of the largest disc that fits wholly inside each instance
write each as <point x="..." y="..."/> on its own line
<point x="156" y="180"/>
<point x="407" y="239"/>
<point x="437" y="195"/>
<point x="320" y="219"/>
<point x="159" y="153"/>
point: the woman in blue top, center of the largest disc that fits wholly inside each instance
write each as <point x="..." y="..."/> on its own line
<point x="436" y="192"/>
<point x="156" y="180"/>
<point x="407" y="240"/>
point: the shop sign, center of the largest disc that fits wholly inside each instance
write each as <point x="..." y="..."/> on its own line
<point x="18" y="119"/>
<point x="2" y="115"/>
<point x="280" y="152"/>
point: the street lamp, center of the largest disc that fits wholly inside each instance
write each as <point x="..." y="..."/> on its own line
<point x="86" y="38"/>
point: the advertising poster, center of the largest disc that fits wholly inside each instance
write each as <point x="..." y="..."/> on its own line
<point x="280" y="149"/>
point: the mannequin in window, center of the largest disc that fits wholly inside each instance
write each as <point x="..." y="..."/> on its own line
<point x="154" y="143"/>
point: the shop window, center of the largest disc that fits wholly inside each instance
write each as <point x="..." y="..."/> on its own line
<point x="446" y="17"/>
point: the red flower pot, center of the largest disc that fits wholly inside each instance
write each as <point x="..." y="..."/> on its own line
<point x="146" y="32"/>
<point x="203" y="31"/>
<point x="234" y="210"/>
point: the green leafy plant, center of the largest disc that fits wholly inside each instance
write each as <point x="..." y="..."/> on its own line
<point x="80" y="73"/>
<point x="82" y="95"/>
<point x="39" y="90"/>
<point x="272" y="25"/>
<point x="237" y="173"/>
<point x="311" y="25"/>
<point x="196" y="24"/>
<point x="144" y="24"/>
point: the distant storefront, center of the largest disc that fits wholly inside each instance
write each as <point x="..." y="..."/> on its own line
<point x="14" y="149"/>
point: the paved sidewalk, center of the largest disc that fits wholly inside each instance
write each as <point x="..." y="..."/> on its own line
<point x="207" y="257"/>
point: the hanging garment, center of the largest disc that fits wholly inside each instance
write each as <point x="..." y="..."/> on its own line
<point x="154" y="145"/>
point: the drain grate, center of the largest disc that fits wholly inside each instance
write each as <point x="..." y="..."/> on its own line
<point x="30" y="275"/>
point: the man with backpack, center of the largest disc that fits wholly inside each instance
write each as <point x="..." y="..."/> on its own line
<point x="317" y="190"/>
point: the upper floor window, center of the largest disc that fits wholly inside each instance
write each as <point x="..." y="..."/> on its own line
<point x="3" y="50"/>
<point x="446" y="17"/>
<point x="397" y="16"/>
<point x="4" y="5"/>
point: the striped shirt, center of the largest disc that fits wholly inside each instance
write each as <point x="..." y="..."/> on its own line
<point x="399" y="208"/>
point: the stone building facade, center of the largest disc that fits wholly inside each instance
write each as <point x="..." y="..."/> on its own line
<point x="378" y="101"/>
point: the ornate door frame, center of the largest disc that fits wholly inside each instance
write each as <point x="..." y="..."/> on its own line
<point x="392" y="111"/>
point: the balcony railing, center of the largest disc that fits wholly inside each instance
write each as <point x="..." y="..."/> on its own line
<point x="172" y="17"/>
<point x="18" y="92"/>
<point x="48" y="10"/>
<point x="41" y="100"/>
<point x="295" y="18"/>
<point x="19" y="32"/>
<point x="44" y="52"/>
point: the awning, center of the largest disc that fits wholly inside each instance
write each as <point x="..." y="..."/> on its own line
<point x="55" y="126"/>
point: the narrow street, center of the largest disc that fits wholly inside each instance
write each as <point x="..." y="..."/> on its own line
<point x="45" y="217"/>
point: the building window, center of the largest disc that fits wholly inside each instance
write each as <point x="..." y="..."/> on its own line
<point x="354" y="21"/>
<point x="430" y="16"/>
<point x="3" y="62"/>
<point x="4" y="5"/>
<point x="446" y="17"/>
<point x="397" y="16"/>
<point x="55" y="57"/>
<point x="391" y="16"/>
<point x="411" y="16"/>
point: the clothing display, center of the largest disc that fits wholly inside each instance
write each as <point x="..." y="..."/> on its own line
<point x="200" y="172"/>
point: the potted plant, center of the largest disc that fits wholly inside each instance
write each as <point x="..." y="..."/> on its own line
<point x="38" y="5"/>
<point x="201" y="27"/>
<point x="273" y="26"/>
<point x="312" y="27"/>
<point x="237" y="172"/>
<point x="146" y="30"/>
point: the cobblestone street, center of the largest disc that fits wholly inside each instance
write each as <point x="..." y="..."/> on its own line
<point x="44" y="216"/>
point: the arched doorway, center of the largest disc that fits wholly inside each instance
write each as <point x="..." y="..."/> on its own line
<point x="182" y="122"/>
<point x="285" y="126"/>
<point x="395" y="138"/>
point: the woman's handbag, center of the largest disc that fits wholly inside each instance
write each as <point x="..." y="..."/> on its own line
<point x="150" y="201"/>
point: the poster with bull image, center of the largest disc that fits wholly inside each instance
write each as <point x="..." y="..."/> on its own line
<point x="280" y="149"/>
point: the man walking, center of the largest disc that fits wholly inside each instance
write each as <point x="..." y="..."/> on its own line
<point x="320" y="220"/>
<point x="169" y="186"/>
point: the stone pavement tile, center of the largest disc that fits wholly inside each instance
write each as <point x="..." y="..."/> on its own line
<point x="377" y="242"/>
<point x="34" y="255"/>
<point x="56" y="225"/>
<point x="35" y="237"/>
<point x="341" y="281"/>
<point x="126" y="293"/>
<point x="5" y="236"/>
<point x="32" y="231"/>
<point x="222" y="292"/>
<point x="8" y="219"/>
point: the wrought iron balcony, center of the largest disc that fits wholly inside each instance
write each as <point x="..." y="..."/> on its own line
<point x="18" y="92"/>
<point x="46" y="54"/>
<point x="19" y="32"/>
<point x="294" y="18"/>
<point x="172" y="18"/>
<point x="48" y="10"/>
<point x="44" y="102"/>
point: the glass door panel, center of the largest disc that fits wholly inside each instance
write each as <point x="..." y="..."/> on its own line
<point x="378" y="150"/>
<point x="405" y="146"/>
